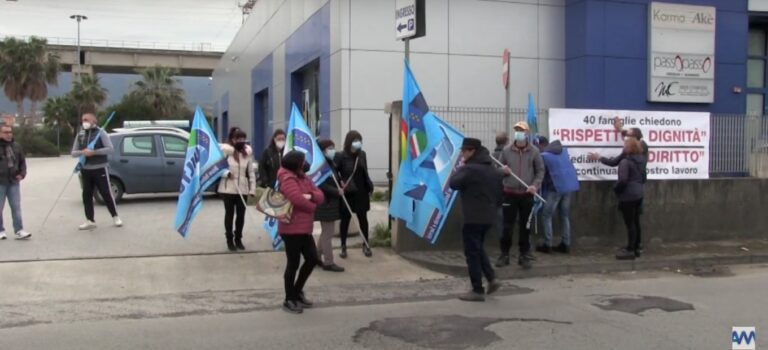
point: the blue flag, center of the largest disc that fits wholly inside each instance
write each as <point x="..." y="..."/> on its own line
<point x="533" y="124"/>
<point x="533" y="121"/>
<point x="92" y="144"/>
<point x="203" y="166"/>
<point x="429" y="154"/>
<point x="299" y="137"/>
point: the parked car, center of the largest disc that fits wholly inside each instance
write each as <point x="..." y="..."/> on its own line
<point x="147" y="161"/>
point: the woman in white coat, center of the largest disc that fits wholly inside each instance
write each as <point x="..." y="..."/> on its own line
<point x="236" y="184"/>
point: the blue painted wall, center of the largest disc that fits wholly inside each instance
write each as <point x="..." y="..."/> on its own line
<point x="607" y="52"/>
<point x="261" y="78"/>
<point x="310" y="42"/>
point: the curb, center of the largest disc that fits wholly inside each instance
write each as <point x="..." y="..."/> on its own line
<point x="642" y="264"/>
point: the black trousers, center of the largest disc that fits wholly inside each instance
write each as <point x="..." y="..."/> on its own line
<point x="346" y="218"/>
<point x="96" y="179"/>
<point x="297" y="246"/>
<point x="477" y="260"/>
<point x="233" y="204"/>
<point x="516" y="209"/>
<point x="631" y="213"/>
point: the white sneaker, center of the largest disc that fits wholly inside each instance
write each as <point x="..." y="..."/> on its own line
<point x="2" y="235"/>
<point x="23" y="234"/>
<point x="118" y="222"/>
<point x="88" y="225"/>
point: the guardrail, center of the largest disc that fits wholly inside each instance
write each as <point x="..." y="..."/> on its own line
<point x="131" y="44"/>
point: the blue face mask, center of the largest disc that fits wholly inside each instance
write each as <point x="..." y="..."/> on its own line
<point x="519" y="136"/>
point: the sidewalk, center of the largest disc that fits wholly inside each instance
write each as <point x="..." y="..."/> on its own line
<point x="693" y="258"/>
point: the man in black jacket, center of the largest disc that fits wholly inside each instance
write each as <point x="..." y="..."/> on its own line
<point x="13" y="169"/>
<point x="479" y="183"/>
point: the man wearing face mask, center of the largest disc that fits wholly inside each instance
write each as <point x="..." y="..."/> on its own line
<point x="358" y="187"/>
<point x="95" y="172"/>
<point x="13" y="170"/>
<point x="524" y="160"/>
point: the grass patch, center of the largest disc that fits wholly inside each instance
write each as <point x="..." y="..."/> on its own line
<point x="382" y="236"/>
<point x="380" y="196"/>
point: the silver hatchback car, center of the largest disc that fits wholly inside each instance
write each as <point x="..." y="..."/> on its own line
<point x="147" y="161"/>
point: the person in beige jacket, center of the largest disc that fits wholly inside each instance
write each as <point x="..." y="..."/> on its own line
<point x="239" y="180"/>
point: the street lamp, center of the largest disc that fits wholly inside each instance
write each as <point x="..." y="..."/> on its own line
<point x="79" y="19"/>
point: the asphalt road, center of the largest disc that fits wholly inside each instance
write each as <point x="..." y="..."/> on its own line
<point x="624" y="311"/>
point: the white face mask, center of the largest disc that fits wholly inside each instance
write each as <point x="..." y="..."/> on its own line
<point x="357" y="145"/>
<point x="280" y="144"/>
<point x="519" y="136"/>
<point x="87" y="125"/>
<point x="330" y="153"/>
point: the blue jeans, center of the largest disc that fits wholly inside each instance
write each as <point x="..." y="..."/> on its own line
<point x="13" y="192"/>
<point x="562" y="203"/>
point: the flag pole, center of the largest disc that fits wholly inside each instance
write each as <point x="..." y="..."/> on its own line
<point x="351" y="213"/>
<point x="519" y="179"/>
<point x="245" y="204"/>
<point x="42" y="225"/>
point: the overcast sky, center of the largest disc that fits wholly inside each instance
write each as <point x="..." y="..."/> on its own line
<point x="176" y="21"/>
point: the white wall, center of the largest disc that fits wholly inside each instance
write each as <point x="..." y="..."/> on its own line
<point x="458" y="63"/>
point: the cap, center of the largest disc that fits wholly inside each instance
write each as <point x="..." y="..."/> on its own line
<point x="470" y="143"/>
<point x="522" y="125"/>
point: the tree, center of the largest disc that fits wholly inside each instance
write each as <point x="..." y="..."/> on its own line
<point x="160" y="89"/>
<point x="88" y="94"/>
<point x="26" y="70"/>
<point x="43" y="68"/>
<point x="61" y="111"/>
<point x="13" y="73"/>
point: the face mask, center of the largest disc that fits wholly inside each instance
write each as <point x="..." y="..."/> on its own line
<point x="239" y="146"/>
<point x="357" y="145"/>
<point x="519" y="136"/>
<point x="280" y="144"/>
<point x="87" y="125"/>
<point x="330" y="153"/>
<point x="306" y="167"/>
<point x="626" y="138"/>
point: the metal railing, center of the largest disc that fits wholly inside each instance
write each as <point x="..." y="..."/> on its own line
<point x="131" y="44"/>
<point x="738" y="145"/>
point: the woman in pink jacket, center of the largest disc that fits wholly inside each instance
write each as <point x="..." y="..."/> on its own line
<point x="297" y="232"/>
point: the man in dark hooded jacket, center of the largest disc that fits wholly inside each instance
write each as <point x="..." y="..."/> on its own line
<point x="479" y="183"/>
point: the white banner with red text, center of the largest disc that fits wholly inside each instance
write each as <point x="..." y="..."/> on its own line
<point x="678" y="142"/>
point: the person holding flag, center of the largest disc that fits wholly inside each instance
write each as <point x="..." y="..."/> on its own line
<point x="524" y="160"/>
<point x="239" y="180"/>
<point x="94" y="145"/>
<point x="478" y="181"/>
<point x="358" y="187"/>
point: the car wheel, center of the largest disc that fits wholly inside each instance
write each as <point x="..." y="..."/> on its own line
<point x="117" y="191"/>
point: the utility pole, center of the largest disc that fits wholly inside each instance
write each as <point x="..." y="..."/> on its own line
<point x="78" y="18"/>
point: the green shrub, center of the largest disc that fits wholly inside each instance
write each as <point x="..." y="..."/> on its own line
<point x="379" y="196"/>
<point x="34" y="143"/>
<point x="382" y="236"/>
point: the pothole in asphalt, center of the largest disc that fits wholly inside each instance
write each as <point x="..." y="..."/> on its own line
<point x="639" y="304"/>
<point x="434" y="332"/>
